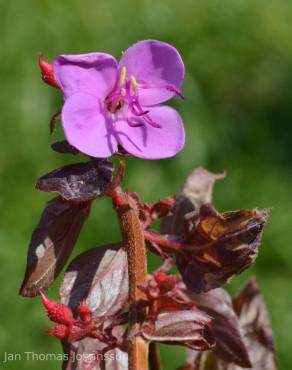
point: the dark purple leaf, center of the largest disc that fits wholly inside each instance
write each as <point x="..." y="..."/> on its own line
<point x="54" y="120"/>
<point x="189" y="328"/>
<point x="254" y="320"/>
<point x="224" y="245"/>
<point x="256" y="332"/>
<point x="64" y="147"/>
<point x="100" y="277"/>
<point x="230" y="344"/>
<point x="51" y="244"/>
<point x="197" y="191"/>
<point x="79" y="182"/>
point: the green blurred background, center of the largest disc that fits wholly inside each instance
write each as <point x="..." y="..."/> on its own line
<point x="238" y="57"/>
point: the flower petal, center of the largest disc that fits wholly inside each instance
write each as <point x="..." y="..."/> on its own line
<point x="154" y="63"/>
<point x="150" y="142"/>
<point x="87" y="127"/>
<point x="94" y="73"/>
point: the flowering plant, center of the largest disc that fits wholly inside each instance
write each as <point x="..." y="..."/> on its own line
<point x="112" y="311"/>
<point x="109" y="104"/>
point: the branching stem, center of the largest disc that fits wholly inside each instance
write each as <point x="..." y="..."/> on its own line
<point x="133" y="240"/>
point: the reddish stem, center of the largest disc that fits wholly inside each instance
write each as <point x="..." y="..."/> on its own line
<point x="175" y="246"/>
<point x="134" y="242"/>
<point x="159" y="239"/>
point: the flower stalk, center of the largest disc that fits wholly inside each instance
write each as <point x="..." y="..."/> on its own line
<point x="133" y="240"/>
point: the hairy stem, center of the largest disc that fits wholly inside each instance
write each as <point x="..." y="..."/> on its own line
<point x="133" y="240"/>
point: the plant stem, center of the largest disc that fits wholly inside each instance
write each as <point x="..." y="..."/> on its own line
<point x="154" y="358"/>
<point x="133" y="240"/>
<point x="160" y="240"/>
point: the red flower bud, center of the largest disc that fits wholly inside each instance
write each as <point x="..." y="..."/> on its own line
<point x="160" y="276"/>
<point x="85" y="313"/>
<point x="58" y="312"/>
<point x="59" y="331"/>
<point x="79" y="332"/>
<point x="166" y="282"/>
<point x="162" y="207"/>
<point x="47" y="72"/>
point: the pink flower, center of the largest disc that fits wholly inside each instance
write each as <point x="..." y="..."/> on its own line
<point x="107" y="103"/>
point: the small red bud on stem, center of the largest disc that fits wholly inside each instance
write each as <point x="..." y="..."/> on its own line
<point x="47" y="72"/>
<point x="59" y="331"/>
<point x="57" y="311"/>
<point x="85" y="313"/>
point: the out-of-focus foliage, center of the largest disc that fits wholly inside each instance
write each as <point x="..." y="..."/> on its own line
<point x="238" y="57"/>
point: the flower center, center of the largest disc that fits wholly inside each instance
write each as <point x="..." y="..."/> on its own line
<point x="122" y="93"/>
<point x="126" y="94"/>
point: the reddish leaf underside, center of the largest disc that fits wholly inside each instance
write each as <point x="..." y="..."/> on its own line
<point x="63" y="147"/>
<point x="256" y="333"/>
<point x="189" y="328"/>
<point x="253" y="317"/>
<point x="100" y="277"/>
<point x="51" y="244"/>
<point x="230" y="344"/>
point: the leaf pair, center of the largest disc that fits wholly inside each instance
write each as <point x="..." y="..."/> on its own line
<point x="99" y="278"/>
<point x="61" y="222"/>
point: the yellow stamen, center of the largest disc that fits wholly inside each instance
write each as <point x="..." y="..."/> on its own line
<point x="134" y="83"/>
<point x="123" y="76"/>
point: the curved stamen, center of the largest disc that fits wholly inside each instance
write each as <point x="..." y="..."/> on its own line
<point x="145" y="115"/>
<point x="138" y="113"/>
<point x="127" y="92"/>
<point x="134" y="124"/>
<point x="169" y="87"/>
<point x="175" y="90"/>
<point x="137" y="110"/>
<point x="151" y="122"/>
